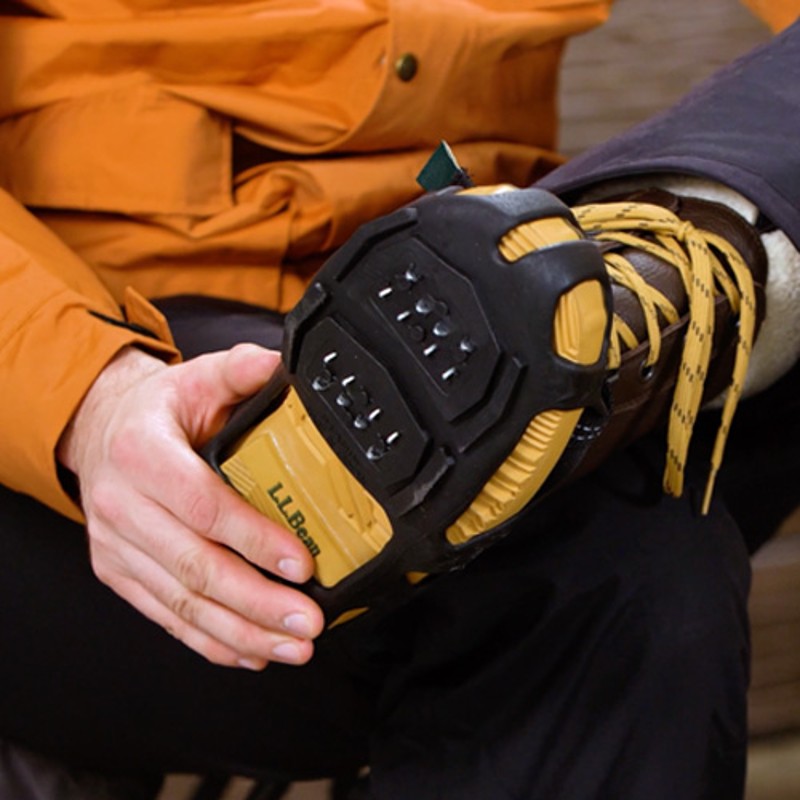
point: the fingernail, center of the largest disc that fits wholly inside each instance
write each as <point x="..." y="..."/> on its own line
<point x="298" y="624"/>
<point x="247" y="663"/>
<point x="291" y="569"/>
<point x="286" y="651"/>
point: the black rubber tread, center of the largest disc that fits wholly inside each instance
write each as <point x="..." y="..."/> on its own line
<point x="429" y="275"/>
<point x="376" y="305"/>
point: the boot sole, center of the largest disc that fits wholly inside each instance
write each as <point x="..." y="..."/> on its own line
<point x="435" y="372"/>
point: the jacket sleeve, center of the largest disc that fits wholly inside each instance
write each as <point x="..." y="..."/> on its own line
<point x="58" y="328"/>
<point x="778" y="14"/>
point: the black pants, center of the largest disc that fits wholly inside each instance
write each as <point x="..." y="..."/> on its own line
<point x="599" y="652"/>
<point x="602" y="652"/>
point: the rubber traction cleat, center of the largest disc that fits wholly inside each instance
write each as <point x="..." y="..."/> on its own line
<point x="433" y="374"/>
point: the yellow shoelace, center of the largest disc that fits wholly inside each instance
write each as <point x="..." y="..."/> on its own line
<point x="691" y="252"/>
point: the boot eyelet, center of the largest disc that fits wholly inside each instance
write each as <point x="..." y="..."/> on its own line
<point x="646" y="372"/>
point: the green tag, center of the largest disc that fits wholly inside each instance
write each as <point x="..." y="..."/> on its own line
<point x="442" y="170"/>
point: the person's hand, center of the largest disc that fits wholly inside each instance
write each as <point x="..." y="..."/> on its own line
<point x="165" y="532"/>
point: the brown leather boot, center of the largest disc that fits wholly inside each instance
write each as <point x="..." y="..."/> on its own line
<point x="665" y="373"/>
<point x="461" y="357"/>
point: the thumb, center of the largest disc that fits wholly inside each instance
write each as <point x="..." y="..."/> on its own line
<point x="244" y="370"/>
<point x="210" y="385"/>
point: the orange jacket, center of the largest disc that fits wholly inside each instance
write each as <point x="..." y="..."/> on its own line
<point x="171" y="146"/>
<point x="220" y="147"/>
<point x="778" y="14"/>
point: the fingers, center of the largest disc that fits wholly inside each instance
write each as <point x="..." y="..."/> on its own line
<point x="165" y="532"/>
<point x="209" y="598"/>
<point x="205" y="569"/>
<point x="178" y="480"/>
<point x="206" y="645"/>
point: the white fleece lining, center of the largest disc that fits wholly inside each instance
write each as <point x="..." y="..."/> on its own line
<point x="777" y="347"/>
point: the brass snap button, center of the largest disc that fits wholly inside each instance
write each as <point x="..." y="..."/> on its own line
<point x="406" y="67"/>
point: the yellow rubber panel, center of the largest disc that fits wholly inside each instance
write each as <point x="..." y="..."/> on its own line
<point x="346" y="616"/>
<point x="578" y="336"/>
<point x="536" y="235"/>
<point x="580" y="313"/>
<point x="286" y="469"/>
